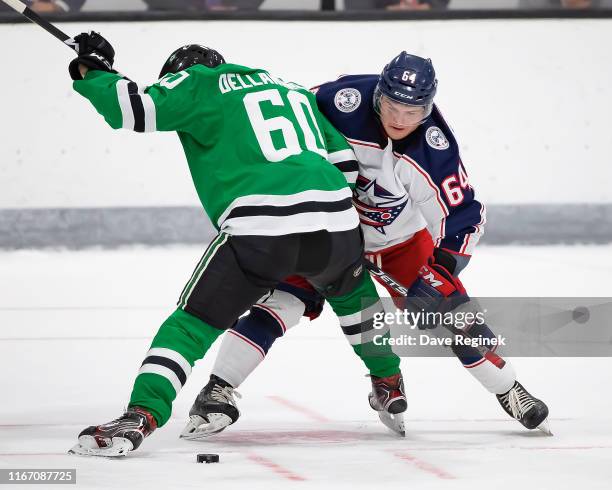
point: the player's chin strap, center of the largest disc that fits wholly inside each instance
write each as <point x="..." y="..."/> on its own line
<point x="388" y="280"/>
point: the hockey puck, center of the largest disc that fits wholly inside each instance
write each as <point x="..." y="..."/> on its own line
<point x="208" y="458"/>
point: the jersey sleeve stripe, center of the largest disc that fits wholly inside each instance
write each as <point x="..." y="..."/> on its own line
<point x="442" y="232"/>
<point x="125" y="105"/>
<point x="150" y="113"/>
<point x="466" y="241"/>
<point x="137" y="108"/>
<point x="341" y="156"/>
<point x="471" y="239"/>
<point x="483" y="218"/>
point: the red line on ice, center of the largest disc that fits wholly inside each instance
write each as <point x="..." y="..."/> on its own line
<point x="276" y="468"/>
<point x="425" y="466"/>
<point x="317" y="417"/>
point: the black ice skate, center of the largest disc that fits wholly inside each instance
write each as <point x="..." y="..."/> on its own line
<point x="529" y="411"/>
<point x="213" y="410"/>
<point x="118" y="437"/>
<point x="388" y="398"/>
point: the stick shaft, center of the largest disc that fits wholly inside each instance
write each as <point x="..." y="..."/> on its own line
<point x="488" y="354"/>
<point x="27" y="12"/>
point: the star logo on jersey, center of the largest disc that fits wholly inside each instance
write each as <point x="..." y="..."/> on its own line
<point x="377" y="216"/>
<point x="347" y="99"/>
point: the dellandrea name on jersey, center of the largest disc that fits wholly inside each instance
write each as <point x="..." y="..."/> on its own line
<point x="234" y="81"/>
<point x="263" y="159"/>
<point x="404" y="185"/>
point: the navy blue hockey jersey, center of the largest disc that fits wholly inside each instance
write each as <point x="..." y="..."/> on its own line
<point x="403" y="186"/>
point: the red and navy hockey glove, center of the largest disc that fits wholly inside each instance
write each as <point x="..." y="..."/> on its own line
<point x="435" y="290"/>
<point x="95" y="52"/>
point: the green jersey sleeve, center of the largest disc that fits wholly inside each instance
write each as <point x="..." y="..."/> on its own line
<point x="177" y="102"/>
<point x="339" y="152"/>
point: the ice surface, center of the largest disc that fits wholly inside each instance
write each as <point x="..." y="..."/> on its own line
<point x="75" y="325"/>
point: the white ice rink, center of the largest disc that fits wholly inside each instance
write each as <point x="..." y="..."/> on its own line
<point x="74" y="327"/>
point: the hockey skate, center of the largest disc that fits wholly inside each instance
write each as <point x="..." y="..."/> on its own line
<point x="213" y="410"/>
<point x="117" y="437"/>
<point x="389" y="400"/>
<point x="529" y="411"/>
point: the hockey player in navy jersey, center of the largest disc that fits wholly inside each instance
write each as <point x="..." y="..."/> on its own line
<point x="419" y="216"/>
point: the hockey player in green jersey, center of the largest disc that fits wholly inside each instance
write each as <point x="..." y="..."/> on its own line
<point x="262" y="158"/>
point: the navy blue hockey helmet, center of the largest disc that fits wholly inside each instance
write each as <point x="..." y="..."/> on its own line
<point x="190" y="55"/>
<point x="408" y="79"/>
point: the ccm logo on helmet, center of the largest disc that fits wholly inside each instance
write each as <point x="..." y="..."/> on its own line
<point x="404" y="96"/>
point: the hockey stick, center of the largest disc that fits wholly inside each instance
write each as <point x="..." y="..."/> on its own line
<point x="27" y="12"/>
<point x="488" y="354"/>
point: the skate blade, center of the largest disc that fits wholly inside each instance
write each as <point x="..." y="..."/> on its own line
<point x="395" y="422"/>
<point x="198" y="428"/>
<point x="120" y="448"/>
<point x="545" y="427"/>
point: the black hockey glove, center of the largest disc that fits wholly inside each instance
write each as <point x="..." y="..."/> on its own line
<point x="94" y="52"/>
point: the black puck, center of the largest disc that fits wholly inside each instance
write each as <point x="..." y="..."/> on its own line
<point x="208" y="458"/>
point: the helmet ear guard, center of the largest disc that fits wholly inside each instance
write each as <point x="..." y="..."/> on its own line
<point x="191" y="55"/>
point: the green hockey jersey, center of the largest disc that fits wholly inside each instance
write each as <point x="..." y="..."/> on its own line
<point x="263" y="159"/>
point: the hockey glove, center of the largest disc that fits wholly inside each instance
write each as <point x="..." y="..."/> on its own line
<point x="94" y="52"/>
<point x="446" y="259"/>
<point x="435" y="290"/>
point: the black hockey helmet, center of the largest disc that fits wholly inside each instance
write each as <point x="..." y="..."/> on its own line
<point x="190" y="55"/>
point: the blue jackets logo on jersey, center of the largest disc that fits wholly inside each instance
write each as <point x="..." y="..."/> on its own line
<point x="347" y="99"/>
<point x="436" y="139"/>
<point x="377" y="216"/>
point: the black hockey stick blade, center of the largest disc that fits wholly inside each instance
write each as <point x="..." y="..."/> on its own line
<point x="27" y="12"/>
